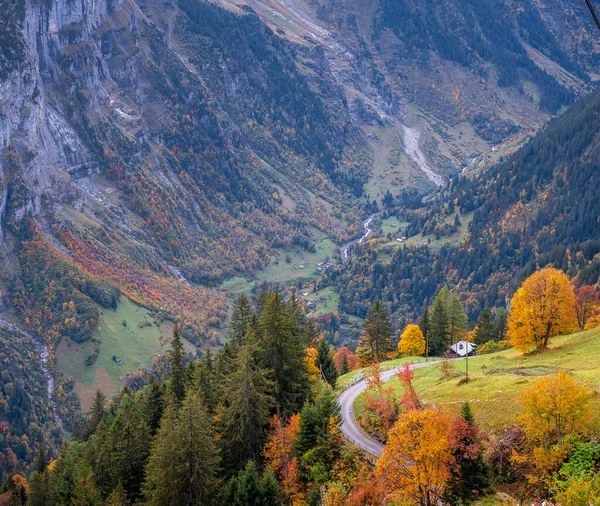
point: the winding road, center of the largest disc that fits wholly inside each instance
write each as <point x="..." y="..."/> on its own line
<point x="350" y="429"/>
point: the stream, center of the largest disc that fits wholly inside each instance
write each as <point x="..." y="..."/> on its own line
<point x="346" y="247"/>
<point x="44" y="354"/>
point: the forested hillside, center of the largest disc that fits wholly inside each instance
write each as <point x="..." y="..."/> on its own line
<point x="535" y="208"/>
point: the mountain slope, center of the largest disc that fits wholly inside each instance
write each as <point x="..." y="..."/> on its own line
<point x="537" y="207"/>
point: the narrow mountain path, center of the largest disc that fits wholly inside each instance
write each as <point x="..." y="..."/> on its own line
<point x="350" y="428"/>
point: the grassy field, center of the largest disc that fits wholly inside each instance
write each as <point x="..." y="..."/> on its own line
<point x="348" y="378"/>
<point x="496" y="380"/>
<point x="134" y="344"/>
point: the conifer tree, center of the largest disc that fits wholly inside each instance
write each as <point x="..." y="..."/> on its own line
<point x="206" y="379"/>
<point x="438" y="328"/>
<point x="424" y="321"/>
<point x="315" y="424"/>
<point x="96" y="414"/>
<point x="457" y="319"/>
<point x="184" y="460"/>
<point x="377" y="338"/>
<point x="39" y="494"/>
<point x="118" y="497"/>
<point x="325" y="362"/>
<point x="154" y="405"/>
<point x="246" y="489"/>
<point x="178" y="372"/>
<point x="248" y="400"/>
<point x="283" y="350"/>
<point x="240" y="320"/>
<point x="500" y="324"/>
<point x="345" y="368"/>
<point x="485" y="327"/>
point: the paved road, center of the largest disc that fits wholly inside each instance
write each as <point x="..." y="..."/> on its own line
<point x="350" y="428"/>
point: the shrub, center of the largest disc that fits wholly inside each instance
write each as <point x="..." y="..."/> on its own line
<point x="492" y="347"/>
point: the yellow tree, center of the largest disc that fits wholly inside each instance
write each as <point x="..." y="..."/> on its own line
<point x="554" y="407"/>
<point x="412" y="341"/>
<point x="543" y="307"/>
<point x="416" y="461"/>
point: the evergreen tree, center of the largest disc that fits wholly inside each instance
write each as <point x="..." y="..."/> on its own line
<point x="470" y="477"/>
<point x="315" y="425"/>
<point x="184" y="461"/>
<point x="248" y="401"/>
<point x="345" y="367"/>
<point x="485" y="327"/>
<point x="40" y="463"/>
<point x="154" y="405"/>
<point x="283" y="350"/>
<point x="325" y="362"/>
<point x="240" y="320"/>
<point x="424" y="321"/>
<point x="500" y="324"/>
<point x="96" y="414"/>
<point x="377" y="338"/>
<point x="438" y="328"/>
<point x="206" y="381"/>
<point x="457" y="319"/>
<point x="131" y="441"/>
<point x="269" y="485"/>
<point x="39" y="494"/>
<point x="178" y="372"/>
<point x="118" y="497"/>
<point x="245" y="489"/>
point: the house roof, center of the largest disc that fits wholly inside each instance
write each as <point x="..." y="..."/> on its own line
<point x="463" y="347"/>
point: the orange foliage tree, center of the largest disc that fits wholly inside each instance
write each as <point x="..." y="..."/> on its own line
<point x="412" y="341"/>
<point x="543" y="307"/>
<point x="345" y="356"/>
<point x="554" y="407"/>
<point x="279" y="456"/>
<point x="417" y="460"/>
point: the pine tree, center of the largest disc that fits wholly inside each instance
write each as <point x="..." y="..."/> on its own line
<point x="178" y="371"/>
<point x="40" y="462"/>
<point x="184" y="460"/>
<point x="240" y="320"/>
<point x="271" y="494"/>
<point x="457" y="319"/>
<point x="154" y="405"/>
<point x="500" y="324"/>
<point x="131" y="442"/>
<point x="315" y="424"/>
<point x="283" y="350"/>
<point x="206" y="381"/>
<point x="424" y="321"/>
<point x="118" y="497"/>
<point x="96" y="414"/>
<point x="345" y="368"/>
<point x="377" y="338"/>
<point x="438" y="328"/>
<point x="248" y="401"/>
<point x="485" y="327"/>
<point x="246" y="489"/>
<point x="325" y="363"/>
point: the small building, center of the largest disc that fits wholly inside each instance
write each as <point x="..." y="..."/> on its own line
<point x="462" y="348"/>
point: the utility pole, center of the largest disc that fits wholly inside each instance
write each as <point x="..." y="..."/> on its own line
<point x="467" y="362"/>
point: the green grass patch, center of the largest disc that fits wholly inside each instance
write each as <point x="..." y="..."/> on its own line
<point x="496" y="380"/>
<point x="134" y="345"/>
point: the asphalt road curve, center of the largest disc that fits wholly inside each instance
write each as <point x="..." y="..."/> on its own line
<point x="352" y="432"/>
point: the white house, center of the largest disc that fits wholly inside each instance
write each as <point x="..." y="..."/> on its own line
<point x="463" y="348"/>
